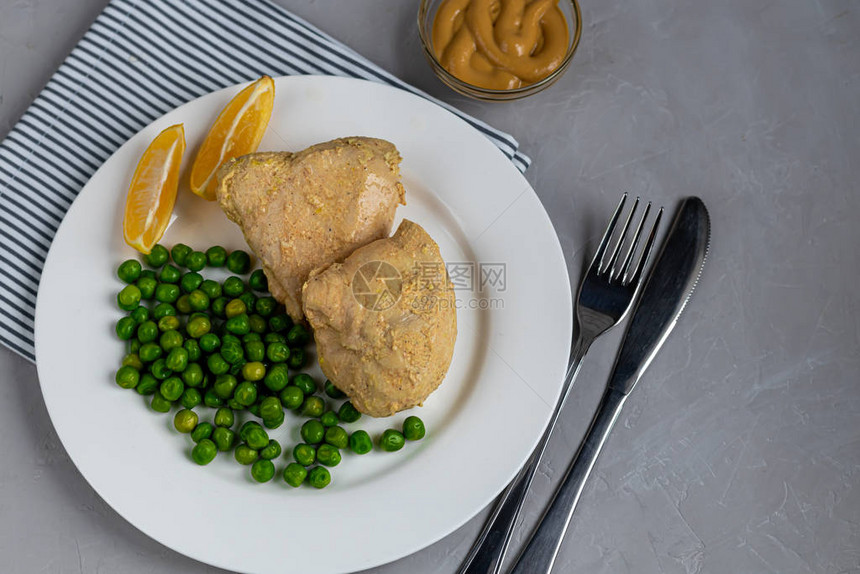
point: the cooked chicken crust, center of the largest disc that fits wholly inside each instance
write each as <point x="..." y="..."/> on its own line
<point x="300" y="211"/>
<point x="389" y="359"/>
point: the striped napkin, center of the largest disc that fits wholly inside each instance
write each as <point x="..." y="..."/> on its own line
<point x="140" y="59"/>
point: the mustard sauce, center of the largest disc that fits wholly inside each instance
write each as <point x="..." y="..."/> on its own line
<point x="500" y="44"/>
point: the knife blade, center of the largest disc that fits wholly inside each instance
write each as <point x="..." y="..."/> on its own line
<point x="666" y="292"/>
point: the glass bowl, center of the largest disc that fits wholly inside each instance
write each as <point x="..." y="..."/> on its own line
<point x="427" y="13"/>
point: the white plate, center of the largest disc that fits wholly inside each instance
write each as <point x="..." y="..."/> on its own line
<point x="483" y="421"/>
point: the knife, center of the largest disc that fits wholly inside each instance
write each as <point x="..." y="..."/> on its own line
<point x="669" y="286"/>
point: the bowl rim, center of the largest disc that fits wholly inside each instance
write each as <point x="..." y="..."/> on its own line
<point x="477" y="91"/>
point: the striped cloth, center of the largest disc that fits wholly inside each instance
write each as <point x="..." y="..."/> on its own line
<point x="138" y="60"/>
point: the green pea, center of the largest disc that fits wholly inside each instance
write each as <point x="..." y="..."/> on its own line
<point x="168" y="323"/>
<point x="216" y="364"/>
<point x="274" y="422"/>
<point x="253" y="371"/>
<point x="313" y="406"/>
<point x="170" y="340"/>
<point x="190" y="281"/>
<point x="278" y="323"/>
<point x="209" y="342"/>
<point x="216" y="256"/>
<point x="166" y="293"/>
<point x="238" y="262"/>
<point x="232" y="352"/>
<point x="305" y="454"/>
<point x="149" y="352"/>
<point x="211" y="288"/>
<point x="159" y="370"/>
<point x="223" y="438"/>
<point x="129" y="270"/>
<point x="127" y="377"/>
<point x="291" y="397"/>
<point x="271" y="450"/>
<point x="212" y="400"/>
<point x="258" y="280"/>
<point x="235" y="405"/>
<point x="238" y="325"/>
<point x="159" y="404"/>
<point x="313" y="432"/>
<point x="199" y="300"/>
<point x="360" y="443"/>
<point x="391" y="440"/>
<point x="274" y="338"/>
<point x="190" y="398"/>
<point x="196" y="260"/>
<point x="218" y="307"/>
<point x="348" y="413"/>
<point x="266" y="306"/>
<point x="255" y="350"/>
<point x="132" y="360"/>
<point x="163" y="310"/>
<point x="183" y="305"/>
<point x="337" y="437"/>
<point x="148" y="273"/>
<point x="198" y="326"/>
<point x="333" y="391"/>
<point x="129" y="298"/>
<point x="125" y="328"/>
<point x="140" y="315"/>
<point x="328" y="455"/>
<point x="270" y="408"/>
<point x="225" y="385"/>
<point x="157" y="256"/>
<point x="233" y="286"/>
<point x="319" y="477"/>
<point x="304" y="382"/>
<point x="192" y="376"/>
<point x="185" y="420"/>
<point x="257" y="438"/>
<point x="249" y="299"/>
<point x="147" y="287"/>
<point x="245" y="454"/>
<point x="171" y="388"/>
<point x="179" y="252"/>
<point x="235" y="307"/>
<point x="329" y="419"/>
<point x="257" y="324"/>
<point x="170" y="274"/>
<point x="246" y="428"/>
<point x="134" y="345"/>
<point x="204" y="452"/>
<point x="295" y="474"/>
<point x="252" y="338"/>
<point x="298" y="336"/>
<point x="229" y="339"/>
<point x="262" y="470"/>
<point x="224" y="417"/>
<point x="413" y="428"/>
<point x="147" y="385"/>
<point x="297" y="358"/>
<point x="276" y="378"/>
<point x="245" y="393"/>
<point x="201" y="431"/>
<point x="193" y="349"/>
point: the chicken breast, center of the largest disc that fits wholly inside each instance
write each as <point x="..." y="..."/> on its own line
<point x="385" y="321"/>
<point x="300" y="211"/>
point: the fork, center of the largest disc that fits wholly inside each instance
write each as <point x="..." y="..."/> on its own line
<point x="605" y="296"/>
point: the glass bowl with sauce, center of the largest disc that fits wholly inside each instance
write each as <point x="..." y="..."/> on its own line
<point x="499" y="50"/>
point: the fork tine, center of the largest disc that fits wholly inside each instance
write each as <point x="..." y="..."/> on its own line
<point x="625" y="267"/>
<point x="646" y="252"/>
<point x="615" y="252"/>
<point x="607" y="235"/>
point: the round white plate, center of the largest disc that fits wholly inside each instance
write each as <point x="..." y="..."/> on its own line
<point x="509" y="359"/>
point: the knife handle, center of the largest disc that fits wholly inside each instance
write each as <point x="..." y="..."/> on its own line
<point x="542" y="549"/>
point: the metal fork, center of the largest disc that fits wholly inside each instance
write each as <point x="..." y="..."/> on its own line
<point x="605" y="296"/>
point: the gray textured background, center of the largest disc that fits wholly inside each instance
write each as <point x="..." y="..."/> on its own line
<point x="740" y="450"/>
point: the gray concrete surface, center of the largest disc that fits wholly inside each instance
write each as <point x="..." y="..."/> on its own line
<point x="740" y="450"/>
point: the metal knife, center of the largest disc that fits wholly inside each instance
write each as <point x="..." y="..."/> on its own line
<point x="668" y="289"/>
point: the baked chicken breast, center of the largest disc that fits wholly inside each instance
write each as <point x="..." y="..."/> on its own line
<point x="300" y="211"/>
